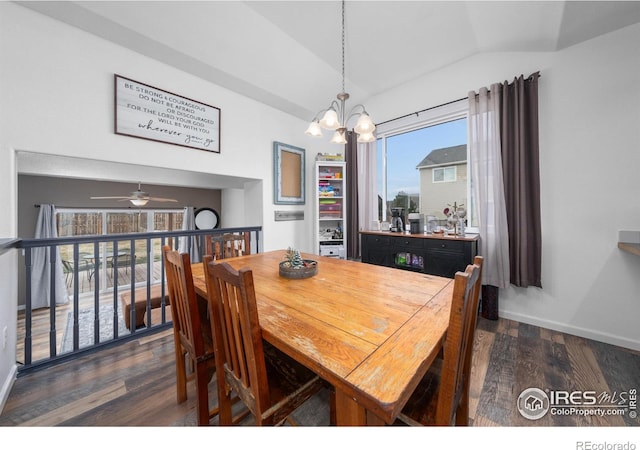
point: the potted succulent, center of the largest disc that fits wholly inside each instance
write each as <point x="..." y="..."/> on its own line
<point x="295" y="267"/>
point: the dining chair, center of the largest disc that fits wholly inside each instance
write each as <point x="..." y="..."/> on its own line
<point x="191" y="336"/>
<point x="213" y="246"/>
<point x="442" y="396"/>
<point x="269" y="383"/>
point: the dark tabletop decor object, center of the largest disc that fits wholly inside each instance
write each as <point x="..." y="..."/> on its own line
<point x="295" y="267"/>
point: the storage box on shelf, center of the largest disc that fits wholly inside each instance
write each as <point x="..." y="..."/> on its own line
<point x="330" y="208"/>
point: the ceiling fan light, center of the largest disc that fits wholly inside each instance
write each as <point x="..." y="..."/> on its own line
<point x="329" y="120"/>
<point x="364" y="125"/>
<point x="314" y="129"/>
<point x="139" y="201"/>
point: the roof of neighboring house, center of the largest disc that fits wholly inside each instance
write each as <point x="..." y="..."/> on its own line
<point x="442" y="156"/>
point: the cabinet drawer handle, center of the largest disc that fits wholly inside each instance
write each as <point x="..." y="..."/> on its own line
<point x="444" y="245"/>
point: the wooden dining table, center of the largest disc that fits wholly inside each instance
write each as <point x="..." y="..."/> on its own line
<point x="370" y="331"/>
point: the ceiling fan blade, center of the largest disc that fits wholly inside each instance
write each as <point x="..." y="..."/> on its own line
<point x="110" y="198"/>
<point x="134" y="196"/>
<point x="160" y="199"/>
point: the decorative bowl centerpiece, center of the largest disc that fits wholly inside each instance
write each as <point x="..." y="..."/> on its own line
<point x="294" y="267"/>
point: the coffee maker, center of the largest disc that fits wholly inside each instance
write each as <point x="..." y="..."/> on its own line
<point x="397" y="219"/>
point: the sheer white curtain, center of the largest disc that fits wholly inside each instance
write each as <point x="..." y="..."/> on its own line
<point x="41" y="273"/>
<point x="367" y="185"/>
<point x="189" y="244"/>
<point x="488" y="187"/>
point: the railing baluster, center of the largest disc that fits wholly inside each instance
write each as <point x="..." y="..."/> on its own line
<point x="52" y="301"/>
<point x="149" y="280"/>
<point x="115" y="265"/>
<point x="76" y="296"/>
<point x="27" y="313"/>
<point x="96" y="292"/>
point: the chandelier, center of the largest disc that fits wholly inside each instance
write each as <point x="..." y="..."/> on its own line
<point x="335" y="117"/>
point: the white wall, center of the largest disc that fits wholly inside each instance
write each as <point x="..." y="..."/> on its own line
<point x="8" y="273"/>
<point x="590" y="165"/>
<point x="57" y="98"/>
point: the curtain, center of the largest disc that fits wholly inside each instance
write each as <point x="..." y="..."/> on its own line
<point x="367" y="184"/>
<point x="521" y="173"/>
<point x="351" y="158"/>
<point x="189" y="244"/>
<point x="41" y="268"/>
<point x="488" y="188"/>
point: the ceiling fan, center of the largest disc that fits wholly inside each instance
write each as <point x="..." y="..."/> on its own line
<point x="138" y="198"/>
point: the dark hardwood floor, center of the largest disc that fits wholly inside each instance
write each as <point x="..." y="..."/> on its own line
<point x="133" y="384"/>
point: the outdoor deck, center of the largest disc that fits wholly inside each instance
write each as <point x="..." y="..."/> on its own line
<point x="41" y="326"/>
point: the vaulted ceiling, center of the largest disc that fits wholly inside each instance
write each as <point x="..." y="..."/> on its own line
<point x="288" y="53"/>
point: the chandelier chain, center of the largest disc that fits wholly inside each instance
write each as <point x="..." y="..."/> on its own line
<point x="343" y="90"/>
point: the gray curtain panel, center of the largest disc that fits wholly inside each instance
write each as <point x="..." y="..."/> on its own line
<point x="43" y="272"/>
<point x="521" y="173"/>
<point x="190" y="244"/>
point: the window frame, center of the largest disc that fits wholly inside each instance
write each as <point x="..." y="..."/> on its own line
<point x="444" y="172"/>
<point x="455" y="110"/>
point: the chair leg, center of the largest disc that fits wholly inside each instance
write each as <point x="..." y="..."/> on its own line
<point x="181" y="375"/>
<point x="462" y="412"/>
<point x="224" y="402"/>
<point x="332" y="406"/>
<point x="202" y="393"/>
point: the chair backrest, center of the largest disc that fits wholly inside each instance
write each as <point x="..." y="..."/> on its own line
<point x="213" y="247"/>
<point x="473" y="319"/>
<point x="452" y="383"/>
<point x="236" y="244"/>
<point x="228" y="245"/>
<point x="238" y="347"/>
<point x="187" y="325"/>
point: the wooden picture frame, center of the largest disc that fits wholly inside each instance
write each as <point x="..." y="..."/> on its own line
<point x="288" y="174"/>
<point x="147" y="112"/>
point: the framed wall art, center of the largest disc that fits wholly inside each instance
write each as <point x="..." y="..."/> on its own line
<point x="147" y="112"/>
<point x="288" y="174"/>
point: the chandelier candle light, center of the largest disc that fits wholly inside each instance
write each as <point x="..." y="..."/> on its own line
<point x="334" y="117"/>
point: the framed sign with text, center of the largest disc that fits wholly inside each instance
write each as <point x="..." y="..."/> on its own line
<point x="147" y="112"/>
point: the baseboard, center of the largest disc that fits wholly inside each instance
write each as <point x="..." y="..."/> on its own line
<point x="7" y="385"/>
<point x="577" y="331"/>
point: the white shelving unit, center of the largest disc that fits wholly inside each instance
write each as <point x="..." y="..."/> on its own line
<point x="330" y="205"/>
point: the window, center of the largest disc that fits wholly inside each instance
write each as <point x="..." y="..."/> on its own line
<point x="444" y="174"/>
<point x="422" y="163"/>
<point x="86" y="222"/>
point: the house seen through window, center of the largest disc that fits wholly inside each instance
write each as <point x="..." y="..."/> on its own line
<point x="422" y="164"/>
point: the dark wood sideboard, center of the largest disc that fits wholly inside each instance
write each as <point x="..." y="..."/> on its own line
<point x="427" y="253"/>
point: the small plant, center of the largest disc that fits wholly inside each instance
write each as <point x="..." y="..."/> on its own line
<point x="294" y="260"/>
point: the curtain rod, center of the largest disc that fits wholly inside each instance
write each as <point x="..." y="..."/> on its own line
<point x="417" y="113"/>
